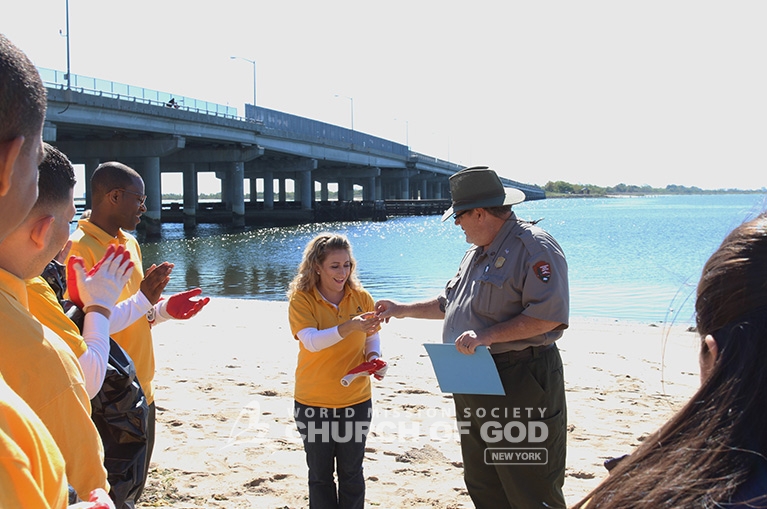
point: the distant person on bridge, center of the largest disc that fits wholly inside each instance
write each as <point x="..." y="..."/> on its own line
<point x="332" y="318"/>
<point x="117" y="205"/>
<point x="511" y="295"/>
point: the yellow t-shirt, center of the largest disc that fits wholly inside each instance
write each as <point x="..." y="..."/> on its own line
<point x="31" y="466"/>
<point x="318" y="374"/>
<point x="44" y="372"/>
<point x="91" y="243"/>
<point x="44" y="305"/>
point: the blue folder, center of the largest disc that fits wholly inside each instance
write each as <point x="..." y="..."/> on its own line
<point x="464" y="374"/>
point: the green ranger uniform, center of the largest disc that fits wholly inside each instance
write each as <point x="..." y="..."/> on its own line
<point x="513" y="446"/>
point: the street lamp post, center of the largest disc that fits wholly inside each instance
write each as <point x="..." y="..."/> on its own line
<point x="351" y="100"/>
<point x="253" y="62"/>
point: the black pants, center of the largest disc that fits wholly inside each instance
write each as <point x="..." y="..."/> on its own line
<point x="334" y="440"/>
<point x="151" y="420"/>
<point x="514" y="446"/>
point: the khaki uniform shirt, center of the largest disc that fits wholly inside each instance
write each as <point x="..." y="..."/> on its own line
<point x="523" y="271"/>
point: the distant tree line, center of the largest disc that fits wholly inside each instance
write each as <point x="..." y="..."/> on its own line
<point x="566" y="188"/>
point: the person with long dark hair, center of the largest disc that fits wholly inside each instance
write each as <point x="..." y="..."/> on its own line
<point x="713" y="452"/>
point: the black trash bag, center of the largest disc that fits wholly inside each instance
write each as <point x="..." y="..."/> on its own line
<point x="119" y="410"/>
<point x="120" y="413"/>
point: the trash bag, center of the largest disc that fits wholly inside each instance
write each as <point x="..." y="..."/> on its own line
<point x="120" y="413"/>
<point x="119" y="410"/>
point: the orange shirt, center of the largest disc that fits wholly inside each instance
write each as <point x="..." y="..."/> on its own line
<point x="318" y="374"/>
<point x="31" y="466"/>
<point x="44" y="305"/>
<point x="91" y="243"/>
<point x="44" y="372"/>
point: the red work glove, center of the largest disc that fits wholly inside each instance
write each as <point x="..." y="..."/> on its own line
<point x="376" y="367"/>
<point x="98" y="499"/>
<point x="103" y="283"/>
<point x="181" y="306"/>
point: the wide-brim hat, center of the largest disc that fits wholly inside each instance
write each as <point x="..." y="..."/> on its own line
<point x="479" y="187"/>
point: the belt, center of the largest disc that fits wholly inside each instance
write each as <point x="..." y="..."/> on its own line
<point x="528" y="353"/>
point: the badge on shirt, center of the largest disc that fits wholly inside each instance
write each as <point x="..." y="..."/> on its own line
<point x="543" y="271"/>
<point x="499" y="262"/>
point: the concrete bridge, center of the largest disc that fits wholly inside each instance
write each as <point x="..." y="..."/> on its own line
<point x="96" y="121"/>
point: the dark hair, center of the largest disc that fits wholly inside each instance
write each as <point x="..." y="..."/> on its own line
<point x="498" y="211"/>
<point x="111" y="175"/>
<point x="711" y="447"/>
<point x="314" y="254"/>
<point x="56" y="177"/>
<point x="22" y="94"/>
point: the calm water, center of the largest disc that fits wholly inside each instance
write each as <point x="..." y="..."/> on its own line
<point x="633" y="259"/>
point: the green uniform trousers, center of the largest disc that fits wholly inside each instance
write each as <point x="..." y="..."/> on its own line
<point x="514" y="446"/>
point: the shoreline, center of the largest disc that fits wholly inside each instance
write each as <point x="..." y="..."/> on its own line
<point x="226" y="436"/>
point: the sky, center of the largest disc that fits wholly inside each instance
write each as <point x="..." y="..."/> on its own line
<point x="588" y="92"/>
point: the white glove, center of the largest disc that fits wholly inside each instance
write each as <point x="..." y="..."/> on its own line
<point x="102" y="286"/>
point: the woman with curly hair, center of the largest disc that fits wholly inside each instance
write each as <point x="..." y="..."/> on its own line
<point x="332" y="317"/>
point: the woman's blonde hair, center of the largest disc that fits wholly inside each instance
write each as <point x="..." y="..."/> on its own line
<point x="314" y="255"/>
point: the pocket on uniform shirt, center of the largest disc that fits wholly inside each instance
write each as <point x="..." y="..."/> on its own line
<point x="487" y="298"/>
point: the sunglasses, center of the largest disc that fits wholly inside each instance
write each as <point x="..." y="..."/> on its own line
<point x="141" y="197"/>
<point x="457" y="215"/>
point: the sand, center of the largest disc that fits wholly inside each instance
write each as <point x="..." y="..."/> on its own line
<point x="226" y="436"/>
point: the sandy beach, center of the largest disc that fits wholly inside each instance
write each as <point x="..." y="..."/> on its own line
<point x="226" y="436"/>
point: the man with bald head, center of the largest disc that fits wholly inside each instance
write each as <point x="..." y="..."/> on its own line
<point x="117" y="203"/>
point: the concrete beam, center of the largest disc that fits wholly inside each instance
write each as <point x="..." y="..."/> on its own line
<point x="280" y="165"/>
<point x="116" y="150"/>
<point x="353" y="172"/>
<point x="399" y="174"/>
<point x="214" y="155"/>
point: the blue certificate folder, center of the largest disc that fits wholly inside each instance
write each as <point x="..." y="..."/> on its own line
<point x="464" y="374"/>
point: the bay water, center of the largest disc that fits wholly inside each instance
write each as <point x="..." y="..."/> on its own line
<point x="631" y="258"/>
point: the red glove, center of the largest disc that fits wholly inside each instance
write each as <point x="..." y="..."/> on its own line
<point x="119" y="266"/>
<point x="181" y="306"/>
<point x="376" y="367"/>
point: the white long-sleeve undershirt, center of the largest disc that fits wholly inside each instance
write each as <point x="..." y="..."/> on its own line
<point x="94" y="360"/>
<point x="315" y="340"/>
<point x="128" y="311"/>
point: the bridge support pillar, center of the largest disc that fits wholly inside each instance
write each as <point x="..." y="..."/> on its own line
<point x="370" y="190"/>
<point x="149" y="169"/>
<point x="283" y="194"/>
<point x="404" y="189"/>
<point x="307" y="190"/>
<point x="342" y="188"/>
<point x="268" y="190"/>
<point x="324" y="191"/>
<point x="236" y="178"/>
<point x="253" y="190"/>
<point x="191" y="196"/>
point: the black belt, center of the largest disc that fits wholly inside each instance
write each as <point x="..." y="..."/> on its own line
<point x="528" y="353"/>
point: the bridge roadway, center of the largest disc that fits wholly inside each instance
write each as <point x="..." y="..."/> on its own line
<point x="93" y="126"/>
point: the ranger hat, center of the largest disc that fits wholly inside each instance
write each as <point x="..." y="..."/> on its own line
<point x="479" y="187"/>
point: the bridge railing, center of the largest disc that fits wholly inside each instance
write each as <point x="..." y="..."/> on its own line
<point x="309" y="128"/>
<point x="96" y="86"/>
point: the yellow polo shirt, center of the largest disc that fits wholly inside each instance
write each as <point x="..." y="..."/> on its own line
<point x="31" y="466"/>
<point x="42" y="369"/>
<point x="318" y="374"/>
<point x="44" y="305"/>
<point x="91" y="243"/>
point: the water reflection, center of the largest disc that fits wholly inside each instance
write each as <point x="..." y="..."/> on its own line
<point x="636" y="259"/>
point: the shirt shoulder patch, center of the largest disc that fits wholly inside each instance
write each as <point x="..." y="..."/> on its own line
<point x="542" y="271"/>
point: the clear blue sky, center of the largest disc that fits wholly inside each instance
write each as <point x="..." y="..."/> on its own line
<point x="601" y="92"/>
